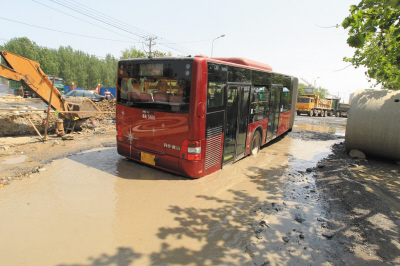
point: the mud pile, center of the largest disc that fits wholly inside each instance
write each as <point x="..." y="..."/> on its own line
<point x="107" y="106"/>
<point x="17" y="123"/>
<point x="12" y="98"/>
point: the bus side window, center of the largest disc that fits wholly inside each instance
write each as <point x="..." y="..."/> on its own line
<point x="215" y="95"/>
<point x="259" y="105"/>
<point x="285" y="100"/>
<point x="217" y="77"/>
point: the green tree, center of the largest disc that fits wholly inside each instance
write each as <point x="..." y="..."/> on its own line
<point x="48" y="59"/>
<point x="66" y="69"/>
<point x="132" y="53"/>
<point x="323" y="93"/>
<point x="135" y="53"/>
<point x="74" y="66"/>
<point x="23" y="47"/>
<point x="109" y="71"/>
<point x="374" y="30"/>
<point x="300" y="88"/>
<point x="157" y="53"/>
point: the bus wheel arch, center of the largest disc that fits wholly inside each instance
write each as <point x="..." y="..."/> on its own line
<point x="256" y="142"/>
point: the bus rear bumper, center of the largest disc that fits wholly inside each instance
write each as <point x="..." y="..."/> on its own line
<point x="193" y="169"/>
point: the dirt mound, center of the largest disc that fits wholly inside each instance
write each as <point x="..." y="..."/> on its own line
<point x="17" y="124"/>
<point x="12" y="98"/>
<point x="107" y="106"/>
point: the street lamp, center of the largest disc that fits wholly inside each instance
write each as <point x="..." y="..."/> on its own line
<point x="212" y="45"/>
<point x="315" y="81"/>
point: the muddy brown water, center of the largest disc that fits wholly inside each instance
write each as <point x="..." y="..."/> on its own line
<point x="98" y="208"/>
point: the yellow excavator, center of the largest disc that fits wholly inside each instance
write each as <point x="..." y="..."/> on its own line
<point x="31" y="76"/>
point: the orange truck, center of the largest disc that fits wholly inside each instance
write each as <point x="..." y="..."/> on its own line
<point x="32" y="78"/>
<point x="313" y="105"/>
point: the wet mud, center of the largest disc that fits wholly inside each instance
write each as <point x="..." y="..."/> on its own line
<point x="364" y="200"/>
<point x="98" y="202"/>
<point x="284" y="206"/>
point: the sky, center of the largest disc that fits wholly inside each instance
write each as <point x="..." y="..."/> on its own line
<point x="294" y="37"/>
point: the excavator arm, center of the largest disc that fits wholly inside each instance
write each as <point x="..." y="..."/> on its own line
<point x="29" y="73"/>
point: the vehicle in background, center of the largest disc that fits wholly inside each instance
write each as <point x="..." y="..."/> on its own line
<point x="94" y="97"/>
<point x="313" y="105"/>
<point x="335" y="102"/>
<point x="27" y="94"/>
<point x="194" y="116"/>
<point x="339" y="109"/>
<point x="58" y="83"/>
<point x="342" y="109"/>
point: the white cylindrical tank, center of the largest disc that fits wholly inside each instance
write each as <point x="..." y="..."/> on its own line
<point x="373" y="124"/>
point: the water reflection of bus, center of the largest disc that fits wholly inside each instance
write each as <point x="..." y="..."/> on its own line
<point x="193" y="116"/>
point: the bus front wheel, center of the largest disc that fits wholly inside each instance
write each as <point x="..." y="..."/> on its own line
<point x="255" y="143"/>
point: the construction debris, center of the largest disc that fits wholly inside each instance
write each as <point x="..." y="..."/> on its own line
<point x="68" y="137"/>
<point x="107" y="106"/>
<point x="16" y="123"/>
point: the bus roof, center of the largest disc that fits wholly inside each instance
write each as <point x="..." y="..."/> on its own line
<point x="244" y="61"/>
<point x="233" y="60"/>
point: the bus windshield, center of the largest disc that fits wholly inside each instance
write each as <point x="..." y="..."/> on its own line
<point x="303" y="100"/>
<point x="160" y="85"/>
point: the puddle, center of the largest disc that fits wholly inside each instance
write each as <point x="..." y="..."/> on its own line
<point x="322" y="129"/>
<point x="14" y="160"/>
<point x="100" y="208"/>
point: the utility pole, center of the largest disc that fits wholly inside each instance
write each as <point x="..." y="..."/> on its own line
<point x="150" y="40"/>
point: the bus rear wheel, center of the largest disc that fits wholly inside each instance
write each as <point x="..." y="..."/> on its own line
<point x="255" y="143"/>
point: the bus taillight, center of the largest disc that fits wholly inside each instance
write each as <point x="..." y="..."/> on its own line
<point x="194" y="150"/>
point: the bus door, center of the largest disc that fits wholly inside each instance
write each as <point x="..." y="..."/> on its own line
<point x="236" y="121"/>
<point x="274" y="110"/>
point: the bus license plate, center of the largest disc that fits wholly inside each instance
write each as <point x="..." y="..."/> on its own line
<point x="148" y="158"/>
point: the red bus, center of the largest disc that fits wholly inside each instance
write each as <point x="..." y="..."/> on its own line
<point x="193" y="116"/>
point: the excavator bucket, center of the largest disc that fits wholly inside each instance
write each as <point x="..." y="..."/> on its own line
<point x="31" y="76"/>
<point x="83" y="107"/>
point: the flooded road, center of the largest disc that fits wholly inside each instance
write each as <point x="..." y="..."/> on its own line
<point x="98" y="208"/>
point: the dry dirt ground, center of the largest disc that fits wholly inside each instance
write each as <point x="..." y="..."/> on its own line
<point x="361" y="197"/>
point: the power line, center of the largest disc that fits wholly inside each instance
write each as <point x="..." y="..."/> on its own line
<point x="88" y="9"/>
<point x="92" y="37"/>
<point x="146" y="34"/>
<point x="325" y="27"/>
<point x="343" y="68"/>
<point x="80" y="19"/>
<point x="94" y="16"/>
<point x="79" y="8"/>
